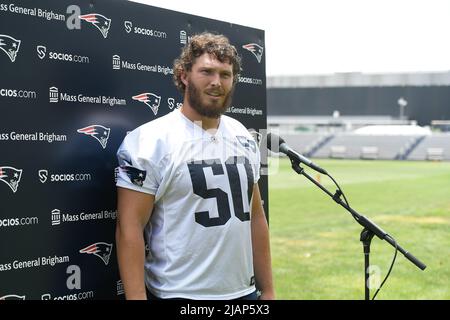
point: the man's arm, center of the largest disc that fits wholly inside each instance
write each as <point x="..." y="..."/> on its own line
<point x="261" y="247"/>
<point x="134" y="210"/>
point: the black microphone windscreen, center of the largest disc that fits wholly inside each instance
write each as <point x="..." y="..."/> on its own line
<point x="272" y="137"/>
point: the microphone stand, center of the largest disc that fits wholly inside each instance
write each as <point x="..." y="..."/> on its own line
<point x="369" y="229"/>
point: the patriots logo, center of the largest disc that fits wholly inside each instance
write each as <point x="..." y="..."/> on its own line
<point x="10" y="46"/>
<point x="150" y="99"/>
<point x="136" y="176"/>
<point x="98" y="132"/>
<point x="256" y="136"/>
<point x="12" y="297"/>
<point x="256" y="49"/>
<point x="100" y="249"/>
<point x="11" y="176"/>
<point x="101" y="22"/>
<point x="247" y="143"/>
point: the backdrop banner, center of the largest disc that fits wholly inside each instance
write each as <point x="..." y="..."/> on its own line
<point x="76" y="76"/>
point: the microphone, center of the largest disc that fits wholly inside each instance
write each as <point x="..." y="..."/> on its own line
<point x="291" y="153"/>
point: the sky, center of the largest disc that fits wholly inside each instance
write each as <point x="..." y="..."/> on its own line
<point x="314" y="37"/>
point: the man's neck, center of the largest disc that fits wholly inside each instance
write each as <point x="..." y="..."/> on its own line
<point x="206" y="123"/>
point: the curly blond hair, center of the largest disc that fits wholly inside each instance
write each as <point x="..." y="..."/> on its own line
<point x="217" y="45"/>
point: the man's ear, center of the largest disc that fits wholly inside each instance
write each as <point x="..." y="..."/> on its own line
<point x="183" y="77"/>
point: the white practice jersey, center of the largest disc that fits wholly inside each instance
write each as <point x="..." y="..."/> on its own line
<point x="199" y="232"/>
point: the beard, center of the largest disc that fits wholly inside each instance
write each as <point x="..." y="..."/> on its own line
<point x="214" y="109"/>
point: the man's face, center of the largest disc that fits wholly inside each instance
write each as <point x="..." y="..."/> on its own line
<point x="209" y="86"/>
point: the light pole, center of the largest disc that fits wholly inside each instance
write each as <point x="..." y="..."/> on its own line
<point x="402" y="103"/>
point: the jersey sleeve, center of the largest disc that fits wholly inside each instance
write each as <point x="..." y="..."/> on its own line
<point x="135" y="171"/>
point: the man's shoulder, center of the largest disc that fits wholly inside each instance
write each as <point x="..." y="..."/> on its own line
<point x="154" y="136"/>
<point x="235" y="126"/>
<point x="231" y="122"/>
<point x="152" y="140"/>
<point x="156" y="126"/>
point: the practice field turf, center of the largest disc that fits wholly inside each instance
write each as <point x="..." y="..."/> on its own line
<point x="316" y="252"/>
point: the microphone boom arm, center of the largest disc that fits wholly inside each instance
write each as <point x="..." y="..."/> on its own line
<point x="362" y="220"/>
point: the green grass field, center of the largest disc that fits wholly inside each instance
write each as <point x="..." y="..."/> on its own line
<point x="316" y="252"/>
